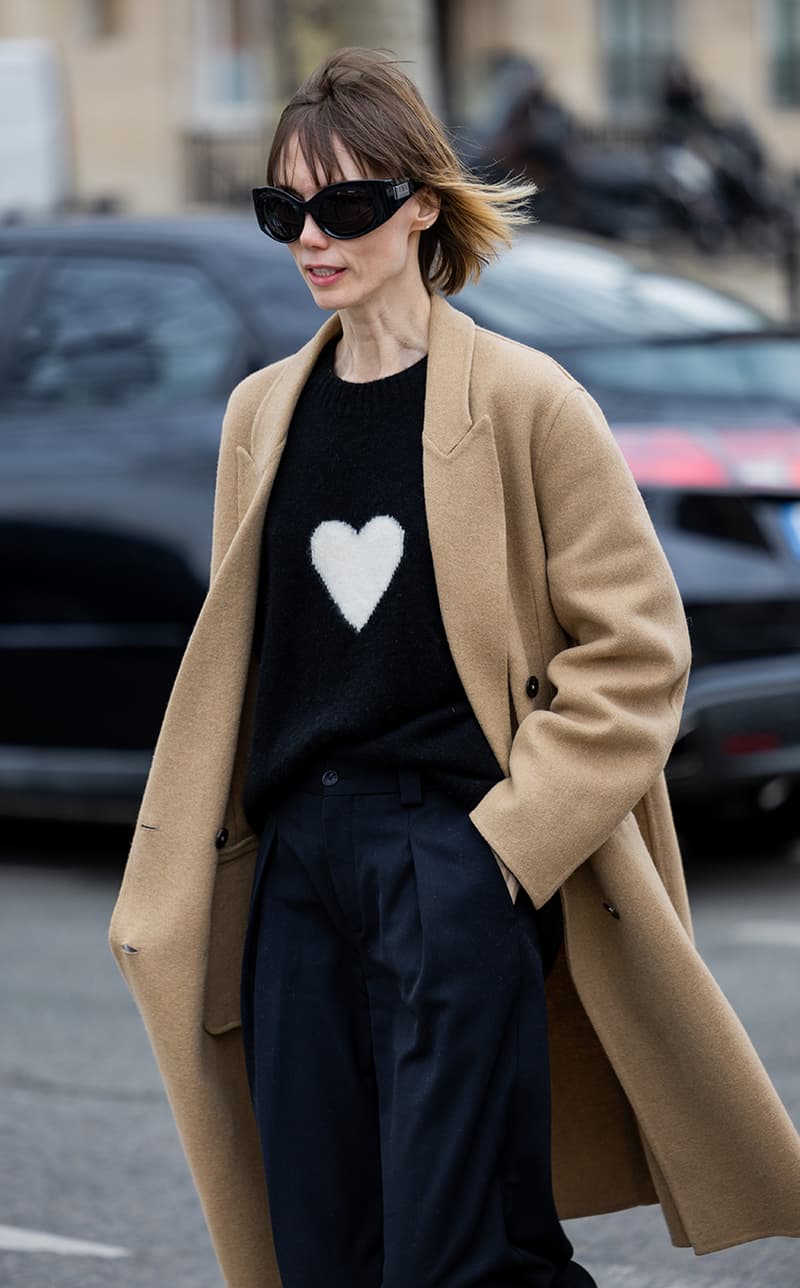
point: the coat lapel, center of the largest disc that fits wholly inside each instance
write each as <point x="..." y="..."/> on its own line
<point x="466" y="525"/>
<point x="463" y="496"/>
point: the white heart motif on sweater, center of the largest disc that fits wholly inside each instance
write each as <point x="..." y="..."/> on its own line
<point x="357" y="567"/>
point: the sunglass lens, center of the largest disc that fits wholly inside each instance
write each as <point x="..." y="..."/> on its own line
<point x="348" y="212"/>
<point x="281" y="218"/>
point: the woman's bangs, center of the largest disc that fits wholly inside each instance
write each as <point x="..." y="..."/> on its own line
<point x="316" y="142"/>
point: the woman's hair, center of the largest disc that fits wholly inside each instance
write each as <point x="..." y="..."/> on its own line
<point x="362" y="98"/>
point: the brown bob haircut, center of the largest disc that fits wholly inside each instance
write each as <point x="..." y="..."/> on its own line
<point x="362" y="98"/>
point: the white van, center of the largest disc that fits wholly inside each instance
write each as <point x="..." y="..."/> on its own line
<point x="35" y="161"/>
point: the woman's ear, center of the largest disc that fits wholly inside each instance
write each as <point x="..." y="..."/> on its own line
<point x="429" y="203"/>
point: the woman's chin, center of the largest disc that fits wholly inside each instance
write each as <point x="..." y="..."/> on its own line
<point x="336" y="297"/>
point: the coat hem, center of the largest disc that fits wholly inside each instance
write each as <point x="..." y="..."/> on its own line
<point x="606" y="1209"/>
<point x="720" y="1243"/>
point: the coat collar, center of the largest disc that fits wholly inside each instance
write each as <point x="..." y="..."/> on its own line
<point x="447" y="412"/>
<point x="463" y="496"/>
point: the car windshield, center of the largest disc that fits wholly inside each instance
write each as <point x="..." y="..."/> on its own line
<point x="764" y="369"/>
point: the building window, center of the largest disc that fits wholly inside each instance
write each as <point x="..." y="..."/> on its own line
<point x="783" y="35"/>
<point x="637" y="39"/>
<point x="229" y="70"/>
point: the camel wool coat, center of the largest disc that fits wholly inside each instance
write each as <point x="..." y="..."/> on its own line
<point x="547" y="565"/>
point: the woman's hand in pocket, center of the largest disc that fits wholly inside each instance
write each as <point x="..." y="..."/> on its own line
<point x="508" y="876"/>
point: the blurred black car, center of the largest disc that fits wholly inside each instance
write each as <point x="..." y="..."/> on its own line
<point x="121" y="341"/>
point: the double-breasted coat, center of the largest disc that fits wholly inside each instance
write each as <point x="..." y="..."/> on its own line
<point x="567" y="630"/>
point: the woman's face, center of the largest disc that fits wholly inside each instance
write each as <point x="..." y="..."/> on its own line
<point x="368" y="269"/>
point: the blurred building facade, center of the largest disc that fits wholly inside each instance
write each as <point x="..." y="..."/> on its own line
<point x="605" y="58"/>
<point x="175" y="103"/>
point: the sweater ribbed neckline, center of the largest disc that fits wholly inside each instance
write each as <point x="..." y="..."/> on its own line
<point x="365" y="395"/>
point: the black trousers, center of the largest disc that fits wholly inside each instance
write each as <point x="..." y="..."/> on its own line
<point x="395" y="1035"/>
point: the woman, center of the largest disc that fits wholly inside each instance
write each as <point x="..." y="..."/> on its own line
<point x="366" y="759"/>
<point x="405" y="866"/>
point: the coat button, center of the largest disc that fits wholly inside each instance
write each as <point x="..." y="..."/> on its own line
<point x="330" y="777"/>
<point x="609" y="907"/>
<point x="221" y="837"/>
<point x="532" y="686"/>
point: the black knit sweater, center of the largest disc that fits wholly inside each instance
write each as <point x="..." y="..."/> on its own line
<point x="352" y="650"/>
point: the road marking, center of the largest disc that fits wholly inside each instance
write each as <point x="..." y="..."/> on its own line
<point x="777" y="934"/>
<point x="13" y="1239"/>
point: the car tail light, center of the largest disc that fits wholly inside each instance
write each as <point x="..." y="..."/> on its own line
<point x="747" y="744"/>
<point x="671" y="458"/>
<point x="761" y="459"/>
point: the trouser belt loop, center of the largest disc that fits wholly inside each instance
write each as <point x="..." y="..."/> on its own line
<point x="410" y="786"/>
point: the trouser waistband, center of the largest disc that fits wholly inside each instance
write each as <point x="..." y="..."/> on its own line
<point x="335" y="776"/>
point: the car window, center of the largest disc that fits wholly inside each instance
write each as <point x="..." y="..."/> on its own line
<point x="118" y="332"/>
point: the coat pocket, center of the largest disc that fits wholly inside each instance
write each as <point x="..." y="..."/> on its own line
<point x="230" y="908"/>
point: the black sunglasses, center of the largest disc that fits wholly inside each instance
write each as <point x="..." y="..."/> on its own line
<point x="341" y="210"/>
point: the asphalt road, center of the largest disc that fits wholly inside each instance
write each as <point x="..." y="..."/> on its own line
<point x="93" y="1187"/>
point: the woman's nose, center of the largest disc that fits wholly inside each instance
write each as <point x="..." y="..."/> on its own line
<point x="312" y="234"/>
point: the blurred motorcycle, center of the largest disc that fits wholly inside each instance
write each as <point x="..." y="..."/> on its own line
<point x="632" y="191"/>
<point x="756" y="207"/>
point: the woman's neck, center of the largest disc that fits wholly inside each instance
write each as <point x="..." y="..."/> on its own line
<point x="378" y="341"/>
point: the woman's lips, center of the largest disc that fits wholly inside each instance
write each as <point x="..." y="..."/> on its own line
<point x="326" y="278"/>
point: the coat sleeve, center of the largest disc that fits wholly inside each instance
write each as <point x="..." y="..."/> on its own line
<point x="578" y="767"/>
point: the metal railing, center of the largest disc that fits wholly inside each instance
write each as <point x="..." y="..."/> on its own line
<point x="221" y="169"/>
